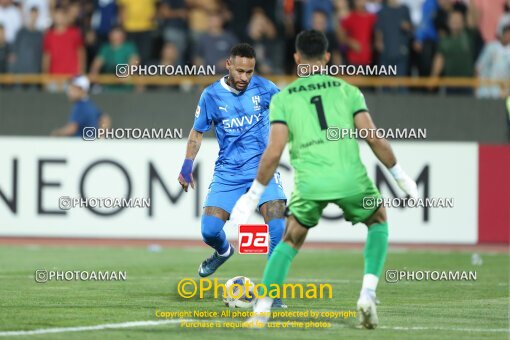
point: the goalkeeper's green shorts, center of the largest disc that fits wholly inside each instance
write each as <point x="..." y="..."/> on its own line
<point x="357" y="208"/>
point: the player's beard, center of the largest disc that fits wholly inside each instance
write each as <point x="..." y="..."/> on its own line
<point x="235" y="85"/>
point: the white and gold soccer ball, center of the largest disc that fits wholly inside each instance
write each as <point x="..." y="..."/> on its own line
<point x="239" y="293"/>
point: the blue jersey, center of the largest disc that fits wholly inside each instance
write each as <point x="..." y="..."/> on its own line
<point x="85" y="114"/>
<point x="241" y="123"/>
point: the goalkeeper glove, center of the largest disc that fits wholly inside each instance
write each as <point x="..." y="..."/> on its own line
<point x="247" y="203"/>
<point x="404" y="181"/>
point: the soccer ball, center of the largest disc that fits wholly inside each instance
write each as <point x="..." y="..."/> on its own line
<point x="235" y="294"/>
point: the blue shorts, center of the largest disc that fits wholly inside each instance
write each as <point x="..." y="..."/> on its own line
<point x="224" y="194"/>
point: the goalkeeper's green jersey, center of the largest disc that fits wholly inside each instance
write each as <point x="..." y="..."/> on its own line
<point x="316" y="109"/>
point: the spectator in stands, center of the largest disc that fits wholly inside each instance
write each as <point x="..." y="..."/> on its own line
<point x="137" y="18"/>
<point x="445" y="8"/>
<point x="28" y="46"/>
<point x="505" y="18"/>
<point x="320" y="23"/>
<point x="43" y="8"/>
<point x="393" y="31"/>
<point x="116" y="51"/>
<point x="198" y="18"/>
<point x="494" y="64"/>
<point x="342" y="10"/>
<point x="456" y="52"/>
<point x="104" y="19"/>
<point x="4" y="51"/>
<point x="357" y="33"/>
<point x="10" y="19"/>
<point x="311" y="6"/>
<point x="84" y="113"/>
<point x="415" y="8"/>
<point x="488" y="14"/>
<point x="239" y="13"/>
<point x="262" y="36"/>
<point x="90" y="38"/>
<point x="374" y="6"/>
<point x="169" y="57"/>
<point x="175" y="28"/>
<point x="76" y="16"/>
<point x="63" y="51"/>
<point x="214" y="45"/>
<point x="92" y="45"/>
<point x="426" y="38"/>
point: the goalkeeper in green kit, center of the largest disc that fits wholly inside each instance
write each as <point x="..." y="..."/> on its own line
<point x="327" y="170"/>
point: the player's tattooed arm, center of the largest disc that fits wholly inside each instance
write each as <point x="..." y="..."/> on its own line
<point x="194" y="142"/>
<point x="186" y="175"/>
<point x="272" y="210"/>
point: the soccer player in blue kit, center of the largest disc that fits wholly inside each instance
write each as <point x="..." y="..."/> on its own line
<point x="238" y="106"/>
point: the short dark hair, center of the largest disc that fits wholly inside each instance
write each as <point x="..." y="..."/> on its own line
<point x="117" y="28"/>
<point x="242" y="50"/>
<point x="311" y="44"/>
<point x="320" y="11"/>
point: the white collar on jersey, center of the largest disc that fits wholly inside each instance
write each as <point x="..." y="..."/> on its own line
<point x="228" y="87"/>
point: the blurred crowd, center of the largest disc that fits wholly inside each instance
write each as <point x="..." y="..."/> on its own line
<point x="453" y="38"/>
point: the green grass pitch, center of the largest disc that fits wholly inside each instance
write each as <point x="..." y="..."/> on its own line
<point x="413" y="309"/>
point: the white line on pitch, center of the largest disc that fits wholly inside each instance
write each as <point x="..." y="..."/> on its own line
<point x="176" y="321"/>
<point x="94" y="328"/>
<point x="418" y="328"/>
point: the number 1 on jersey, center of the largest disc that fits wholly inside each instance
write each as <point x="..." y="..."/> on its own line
<point x="317" y="101"/>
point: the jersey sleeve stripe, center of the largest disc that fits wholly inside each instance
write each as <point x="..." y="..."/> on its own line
<point x="279" y="122"/>
<point x="359" y="111"/>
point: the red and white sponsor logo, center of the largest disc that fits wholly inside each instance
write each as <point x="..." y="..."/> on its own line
<point x="253" y="239"/>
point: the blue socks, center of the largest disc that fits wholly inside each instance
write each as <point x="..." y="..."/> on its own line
<point x="213" y="234"/>
<point x="276" y="229"/>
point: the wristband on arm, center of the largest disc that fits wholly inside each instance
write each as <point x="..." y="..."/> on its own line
<point x="257" y="189"/>
<point x="187" y="169"/>
<point x="397" y="171"/>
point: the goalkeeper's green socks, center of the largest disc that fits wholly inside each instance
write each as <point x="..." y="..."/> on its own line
<point x="278" y="264"/>
<point x="376" y="248"/>
<point x="276" y="271"/>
